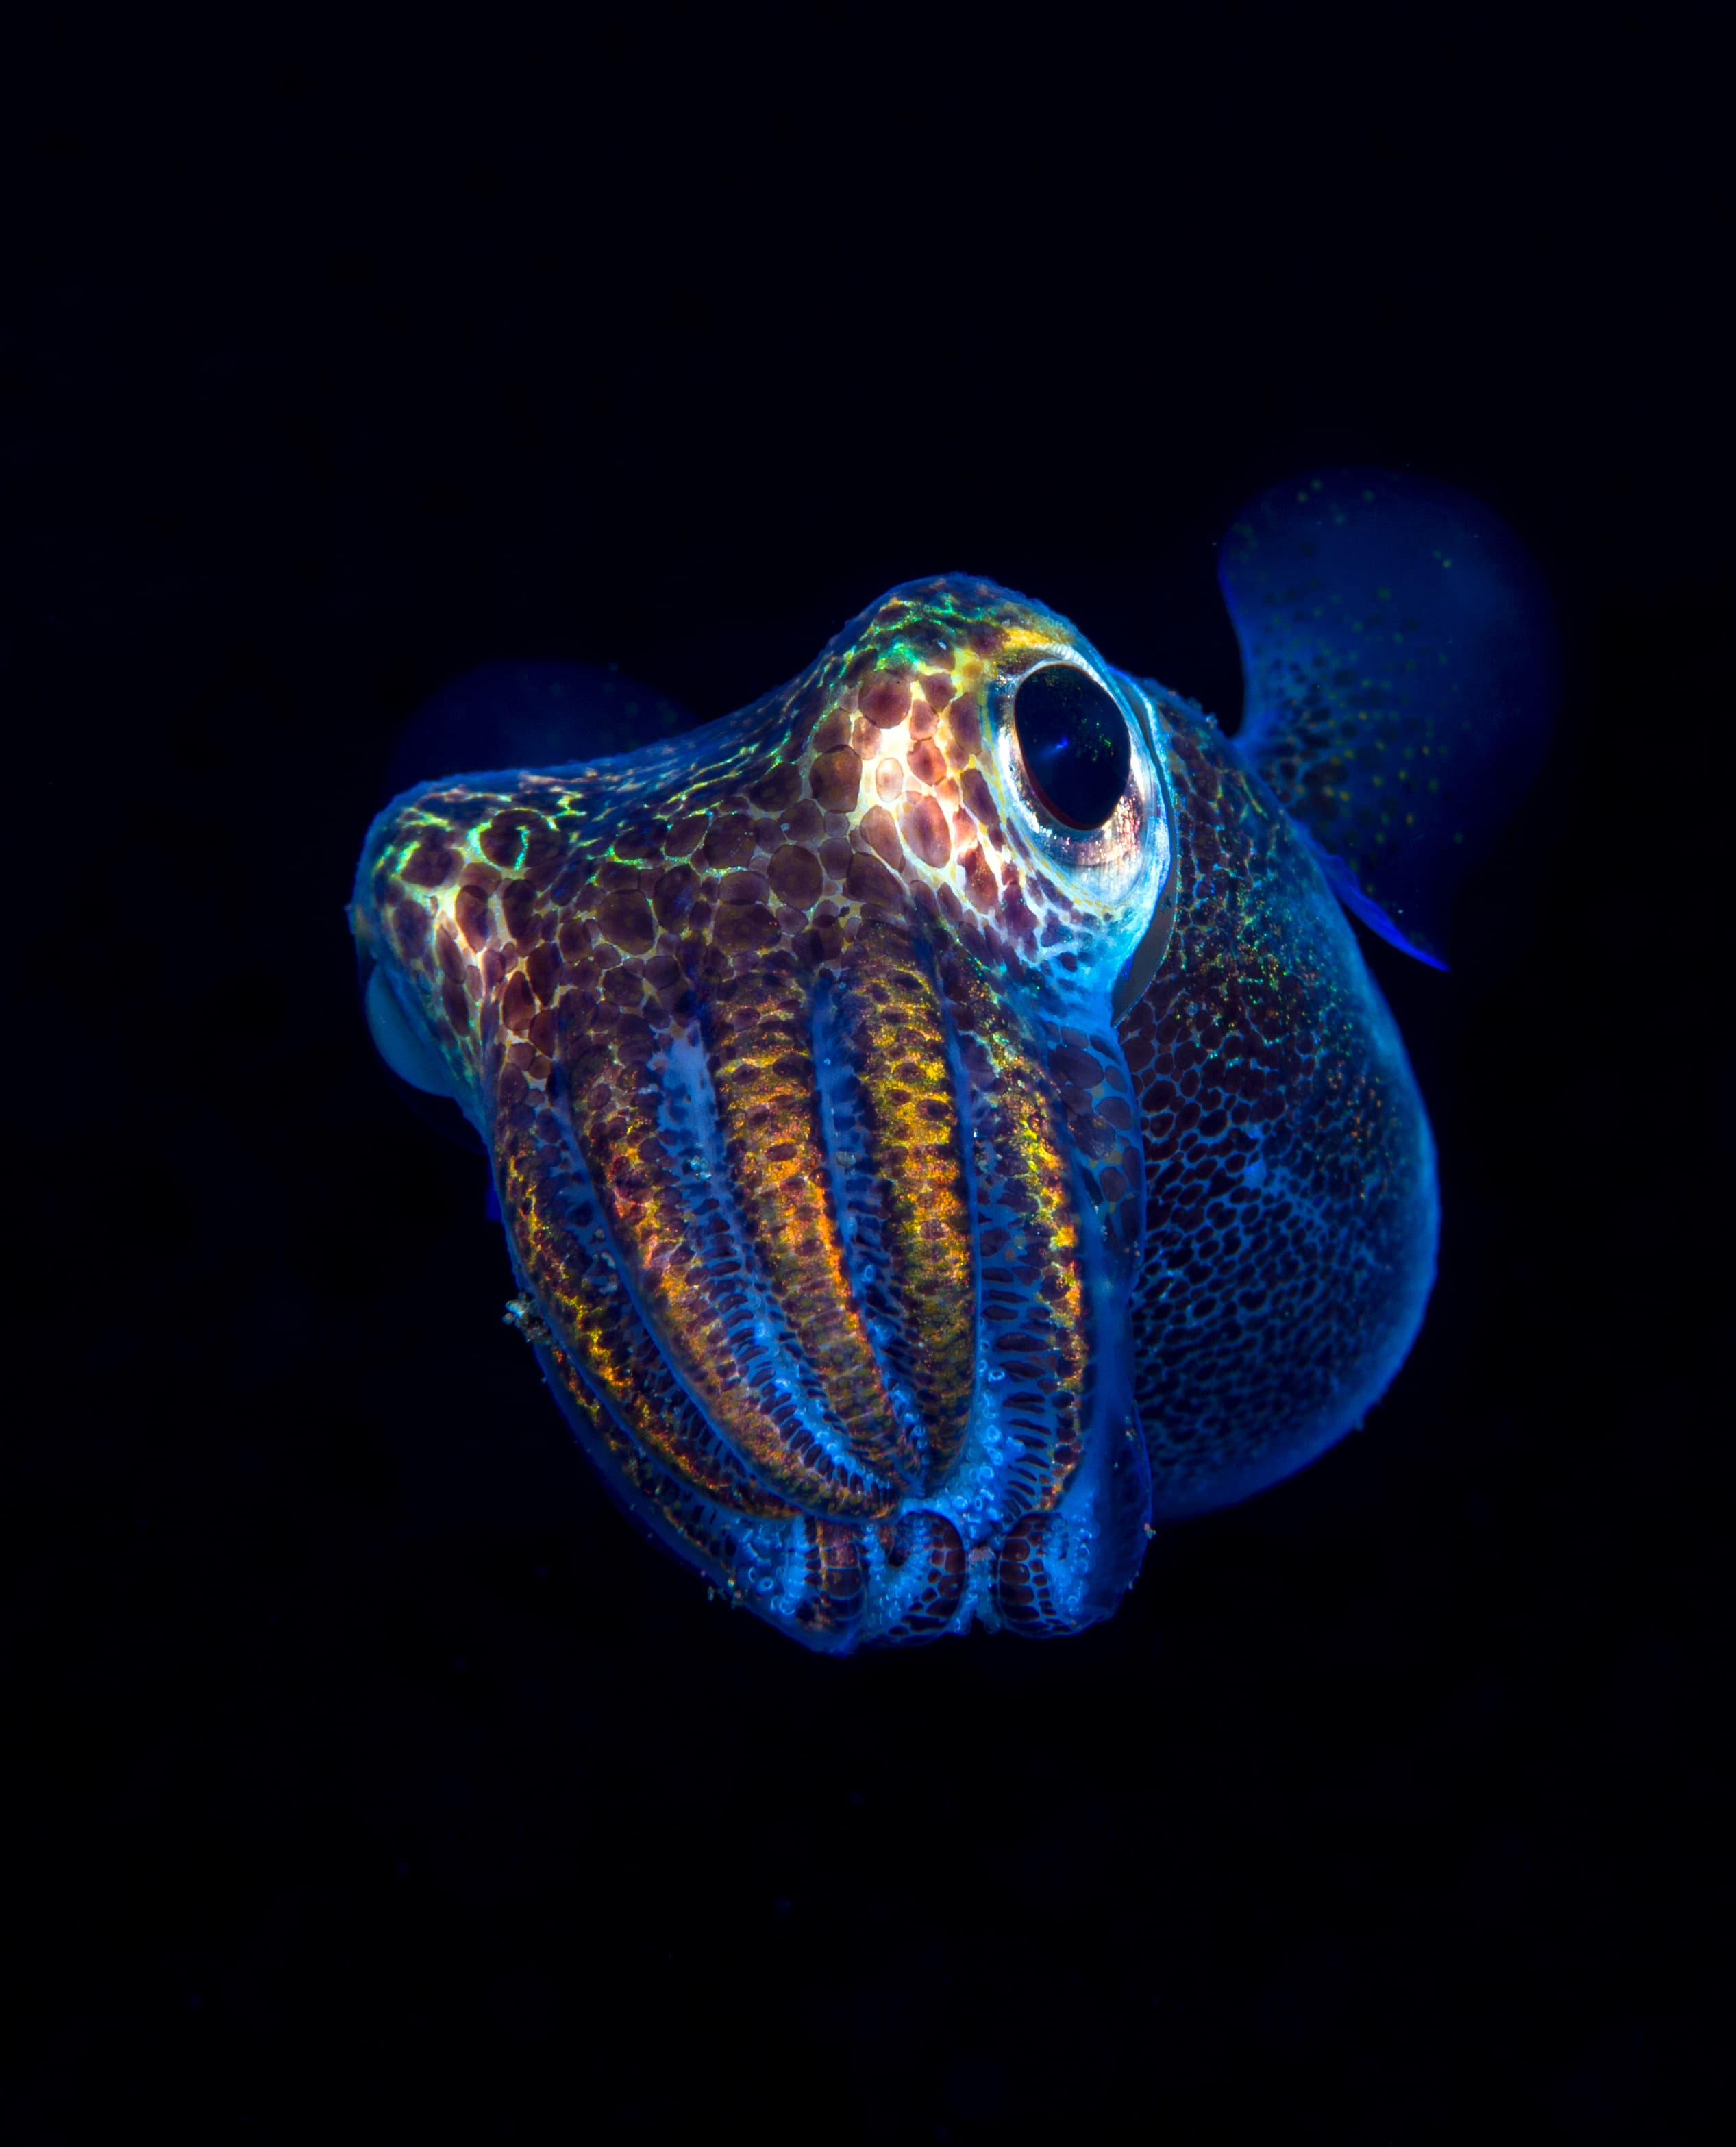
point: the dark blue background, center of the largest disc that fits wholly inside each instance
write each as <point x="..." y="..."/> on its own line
<point x="374" y="1776"/>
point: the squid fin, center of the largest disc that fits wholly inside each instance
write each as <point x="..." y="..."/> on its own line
<point x="1398" y="662"/>
<point x="530" y="715"/>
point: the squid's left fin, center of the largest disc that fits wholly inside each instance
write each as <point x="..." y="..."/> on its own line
<point x="530" y="715"/>
<point x="1398" y="662"/>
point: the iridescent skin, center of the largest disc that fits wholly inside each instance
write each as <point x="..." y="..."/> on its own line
<point x="910" y="1197"/>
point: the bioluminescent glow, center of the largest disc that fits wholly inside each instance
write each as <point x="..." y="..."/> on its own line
<point x="941" y="1117"/>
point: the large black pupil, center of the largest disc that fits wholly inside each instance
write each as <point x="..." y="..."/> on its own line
<point x="1075" y="744"/>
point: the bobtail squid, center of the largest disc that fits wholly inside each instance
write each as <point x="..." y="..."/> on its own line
<point x="942" y="1119"/>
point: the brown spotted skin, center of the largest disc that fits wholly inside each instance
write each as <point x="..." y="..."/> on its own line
<point x="827" y="1178"/>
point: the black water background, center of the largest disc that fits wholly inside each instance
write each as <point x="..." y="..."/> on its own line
<point x="369" y="1775"/>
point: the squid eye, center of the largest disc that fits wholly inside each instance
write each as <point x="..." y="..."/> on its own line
<point x="1075" y="744"/>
